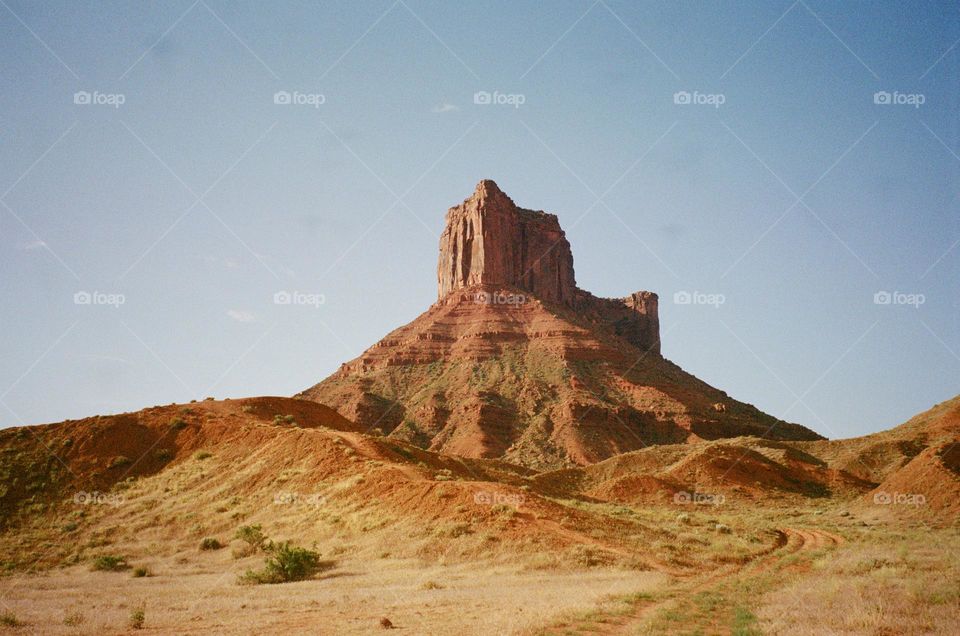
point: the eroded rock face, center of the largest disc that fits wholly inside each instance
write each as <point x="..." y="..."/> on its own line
<point x="488" y="240"/>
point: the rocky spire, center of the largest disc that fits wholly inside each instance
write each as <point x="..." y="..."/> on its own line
<point x="488" y="240"/>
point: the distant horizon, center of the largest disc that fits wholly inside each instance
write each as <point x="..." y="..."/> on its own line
<point x="785" y="176"/>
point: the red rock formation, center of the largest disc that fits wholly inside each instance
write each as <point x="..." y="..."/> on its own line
<point x="490" y="241"/>
<point x="514" y="361"/>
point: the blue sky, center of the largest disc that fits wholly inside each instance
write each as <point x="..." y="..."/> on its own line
<point x="784" y="189"/>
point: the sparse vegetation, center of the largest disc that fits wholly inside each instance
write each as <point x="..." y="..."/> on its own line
<point x="139" y="573"/>
<point x="178" y="423"/>
<point x="202" y="455"/>
<point x="9" y="619"/>
<point x="138" y="617"/>
<point x="252" y="535"/>
<point x="110" y="563"/>
<point x="74" y="618"/>
<point x="285" y="563"/>
<point x="210" y="543"/>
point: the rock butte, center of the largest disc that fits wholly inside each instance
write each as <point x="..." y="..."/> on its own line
<point x="514" y="361"/>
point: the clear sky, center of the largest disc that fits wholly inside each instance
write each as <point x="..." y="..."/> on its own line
<point x="785" y="188"/>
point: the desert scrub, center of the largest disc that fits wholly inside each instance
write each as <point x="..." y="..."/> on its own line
<point x="286" y="563"/>
<point x="210" y="543"/>
<point x="9" y="619"/>
<point x="177" y="424"/>
<point x="252" y="535"/>
<point x="201" y="455"/>
<point x="140" y="573"/>
<point x="285" y="419"/>
<point x="110" y="563"/>
<point x="163" y="454"/>
<point x="138" y="617"/>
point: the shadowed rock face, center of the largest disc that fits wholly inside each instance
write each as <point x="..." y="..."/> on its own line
<point x="490" y="241"/>
<point x="514" y="361"/>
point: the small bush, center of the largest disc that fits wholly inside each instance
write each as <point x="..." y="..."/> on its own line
<point x="110" y="563"/>
<point x="285" y="419"/>
<point x="74" y="618"/>
<point x="253" y="535"/>
<point x="9" y="619"/>
<point x="177" y="424"/>
<point x="201" y="455"/>
<point x="286" y="563"/>
<point x="138" y="617"/>
<point x="723" y="528"/>
<point x="140" y="573"/>
<point x="163" y="454"/>
<point x="246" y="408"/>
<point x="210" y="544"/>
<point x="118" y="461"/>
<point x="431" y="585"/>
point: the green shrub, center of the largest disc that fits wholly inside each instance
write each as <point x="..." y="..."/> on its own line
<point x="140" y="573"/>
<point x="177" y="424"/>
<point x="252" y="535"/>
<point x="210" y="544"/>
<point x="110" y="563"/>
<point x="286" y="563"/>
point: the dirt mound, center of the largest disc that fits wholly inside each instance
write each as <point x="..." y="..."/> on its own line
<point x="928" y="485"/>
<point x="748" y="468"/>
